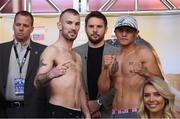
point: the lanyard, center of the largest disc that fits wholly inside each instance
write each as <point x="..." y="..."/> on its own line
<point x="21" y="64"/>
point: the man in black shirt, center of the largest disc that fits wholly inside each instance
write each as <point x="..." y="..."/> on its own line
<point x="92" y="55"/>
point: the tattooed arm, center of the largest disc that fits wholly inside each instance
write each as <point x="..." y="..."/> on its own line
<point x="44" y="79"/>
<point x="46" y="64"/>
<point x="41" y="79"/>
<point x="47" y="71"/>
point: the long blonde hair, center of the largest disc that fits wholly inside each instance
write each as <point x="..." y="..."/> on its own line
<point x="161" y="86"/>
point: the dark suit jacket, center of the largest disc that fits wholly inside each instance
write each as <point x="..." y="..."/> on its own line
<point x="34" y="99"/>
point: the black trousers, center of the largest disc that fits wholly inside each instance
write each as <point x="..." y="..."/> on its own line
<point x="15" y="112"/>
<point x="14" y="109"/>
<point x="55" y="111"/>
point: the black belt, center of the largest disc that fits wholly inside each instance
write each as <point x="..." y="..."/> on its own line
<point x="14" y="103"/>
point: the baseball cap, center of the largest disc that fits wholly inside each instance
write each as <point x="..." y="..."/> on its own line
<point x="126" y="21"/>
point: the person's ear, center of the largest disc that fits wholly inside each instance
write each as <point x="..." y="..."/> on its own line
<point x="32" y="29"/>
<point x="85" y="28"/>
<point x="137" y="32"/>
<point x="59" y="25"/>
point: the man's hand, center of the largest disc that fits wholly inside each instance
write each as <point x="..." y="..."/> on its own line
<point x="93" y="107"/>
<point x="108" y="60"/>
<point x="59" y="70"/>
<point x="96" y="114"/>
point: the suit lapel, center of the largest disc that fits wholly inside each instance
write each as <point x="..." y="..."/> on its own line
<point x="84" y="60"/>
<point x="32" y="60"/>
<point x="5" y="62"/>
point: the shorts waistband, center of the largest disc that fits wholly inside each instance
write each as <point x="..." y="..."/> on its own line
<point x="122" y="111"/>
<point x="69" y="108"/>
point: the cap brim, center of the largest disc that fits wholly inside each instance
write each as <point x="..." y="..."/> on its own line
<point x="126" y="26"/>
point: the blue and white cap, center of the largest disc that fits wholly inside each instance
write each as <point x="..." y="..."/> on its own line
<point x="126" y="21"/>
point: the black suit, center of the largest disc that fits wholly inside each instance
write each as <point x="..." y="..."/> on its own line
<point x="33" y="99"/>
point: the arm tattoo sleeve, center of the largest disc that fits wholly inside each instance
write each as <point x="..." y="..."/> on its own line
<point x="43" y="82"/>
<point x="42" y="63"/>
<point x="115" y="67"/>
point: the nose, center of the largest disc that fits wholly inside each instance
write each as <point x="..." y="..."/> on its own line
<point x="124" y="33"/>
<point x="73" y="26"/>
<point x="151" y="98"/>
<point x="21" y="27"/>
<point x="94" y="29"/>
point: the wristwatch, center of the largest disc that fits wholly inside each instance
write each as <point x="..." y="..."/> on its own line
<point x="99" y="102"/>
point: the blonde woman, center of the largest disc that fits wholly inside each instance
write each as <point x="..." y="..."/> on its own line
<point x="157" y="101"/>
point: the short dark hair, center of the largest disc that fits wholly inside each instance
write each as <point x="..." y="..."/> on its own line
<point x="25" y="13"/>
<point x="96" y="14"/>
<point x="69" y="10"/>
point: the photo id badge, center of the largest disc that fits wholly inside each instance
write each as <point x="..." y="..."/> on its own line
<point x="19" y="86"/>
